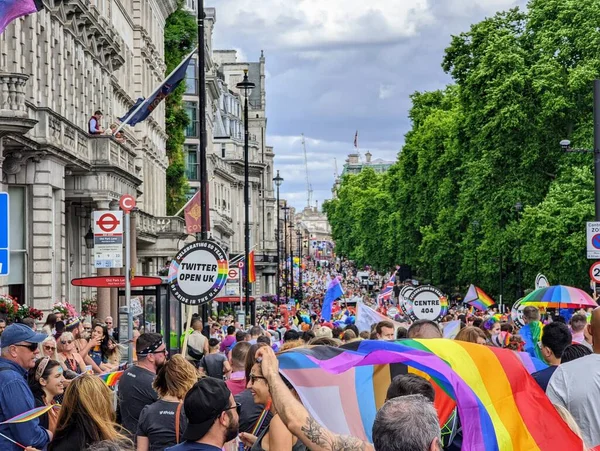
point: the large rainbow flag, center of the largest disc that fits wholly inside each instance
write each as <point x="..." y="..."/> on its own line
<point x="498" y="402"/>
<point x="13" y="9"/>
<point x="477" y="298"/>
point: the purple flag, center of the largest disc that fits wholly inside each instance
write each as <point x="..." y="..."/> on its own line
<point x="13" y="9"/>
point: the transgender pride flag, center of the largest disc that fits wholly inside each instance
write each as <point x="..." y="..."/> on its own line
<point x="13" y="9"/>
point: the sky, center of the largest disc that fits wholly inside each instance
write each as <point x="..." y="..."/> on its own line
<point x="334" y="67"/>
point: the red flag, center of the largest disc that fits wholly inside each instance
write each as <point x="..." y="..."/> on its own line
<point x="251" y="268"/>
<point x="193" y="213"/>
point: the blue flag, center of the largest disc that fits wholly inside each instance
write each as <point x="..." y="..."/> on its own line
<point x="334" y="291"/>
<point x="143" y="107"/>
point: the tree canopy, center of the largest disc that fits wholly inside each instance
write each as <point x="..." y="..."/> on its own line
<point x="522" y="81"/>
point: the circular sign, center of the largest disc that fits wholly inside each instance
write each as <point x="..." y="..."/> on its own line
<point x="516" y="314"/>
<point x="198" y="272"/>
<point x="541" y="281"/>
<point x="240" y="265"/>
<point x="596" y="241"/>
<point x="107" y="222"/>
<point x="406" y="290"/>
<point x="127" y="202"/>
<point x="233" y="273"/>
<point x="428" y="303"/>
<point x="595" y="272"/>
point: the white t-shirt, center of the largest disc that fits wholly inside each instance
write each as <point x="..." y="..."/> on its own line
<point x="575" y="385"/>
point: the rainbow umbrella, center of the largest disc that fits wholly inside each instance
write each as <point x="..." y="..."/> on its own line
<point x="559" y="296"/>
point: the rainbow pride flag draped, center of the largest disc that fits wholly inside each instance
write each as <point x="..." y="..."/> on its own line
<point x="500" y="405"/>
<point x="477" y="298"/>
<point x="30" y="414"/>
<point x="13" y="9"/>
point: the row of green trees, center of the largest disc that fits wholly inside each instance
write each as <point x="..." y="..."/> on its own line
<point x="522" y="82"/>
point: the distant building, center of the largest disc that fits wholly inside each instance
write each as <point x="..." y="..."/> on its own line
<point x="316" y="232"/>
<point x="354" y="165"/>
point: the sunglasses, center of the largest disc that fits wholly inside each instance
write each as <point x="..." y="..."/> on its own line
<point x="67" y="342"/>
<point x="254" y="378"/>
<point x="237" y="407"/>
<point x="164" y="351"/>
<point x="49" y="348"/>
<point x="31" y="346"/>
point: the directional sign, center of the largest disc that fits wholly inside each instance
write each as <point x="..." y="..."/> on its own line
<point x="595" y="272"/>
<point x="115" y="281"/>
<point x="4" y="221"/>
<point x="593" y="240"/>
<point x="108" y="239"/>
<point x="127" y="202"/>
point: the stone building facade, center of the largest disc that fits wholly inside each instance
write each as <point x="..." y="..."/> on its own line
<point x="56" y="68"/>
<point x="225" y="149"/>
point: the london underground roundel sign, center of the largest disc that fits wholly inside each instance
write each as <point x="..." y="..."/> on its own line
<point x="198" y="272"/>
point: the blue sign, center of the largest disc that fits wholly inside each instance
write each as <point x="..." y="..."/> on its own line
<point x="4" y="220"/>
<point x="595" y="241"/>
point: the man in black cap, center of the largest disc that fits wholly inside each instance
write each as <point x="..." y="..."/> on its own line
<point x="19" y="345"/>
<point x="212" y="415"/>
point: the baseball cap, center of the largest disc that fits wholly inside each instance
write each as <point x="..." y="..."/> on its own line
<point x="16" y="333"/>
<point x="203" y="404"/>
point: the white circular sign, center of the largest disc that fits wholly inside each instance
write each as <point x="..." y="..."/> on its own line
<point x="595" y="272"/>
<point x="428" y="303"/>
<point x="541" y="281"/>
<point x="516" y="314"/>
<point x="198" y="272"/>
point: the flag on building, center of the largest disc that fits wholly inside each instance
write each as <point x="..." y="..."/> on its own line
<point x="143" y="107"/>
<point x="334" y="291"/>
<point x="13" y="9"/>
<point x="356" y="139"/>
<point x="193" y="215"/>
<point x="251" y="268"/>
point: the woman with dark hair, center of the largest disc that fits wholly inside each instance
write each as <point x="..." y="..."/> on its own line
<point x="100" y="353"/>
<point x="46" y="383"/>
<point x="86" y="416"/>
<point x="59" y="328"/>
<point x="50" y="324"/>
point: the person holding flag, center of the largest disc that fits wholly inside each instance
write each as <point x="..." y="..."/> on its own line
<point x="334" y="291"/>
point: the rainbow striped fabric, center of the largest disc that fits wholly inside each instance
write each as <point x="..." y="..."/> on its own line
<point x="13" y="9"/>
<point x="111" y="379"/>
<point x="31" y="414"/>
<point x="498" y="402"/>
<point x="477" y="298"/>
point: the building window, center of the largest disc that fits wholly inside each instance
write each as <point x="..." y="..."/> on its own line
<point x="190" y="78"/>
<point x="191" y="193"/>
<point x="191" y="162"/>
<point x="191" y="111"/>
<point x="18" y="244"/>
<point x="223" y="148"/>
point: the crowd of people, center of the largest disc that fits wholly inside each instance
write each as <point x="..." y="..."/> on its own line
<point x="225" y="391"/>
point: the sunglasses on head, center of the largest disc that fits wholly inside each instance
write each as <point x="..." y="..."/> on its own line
<point x="31" y="346"/>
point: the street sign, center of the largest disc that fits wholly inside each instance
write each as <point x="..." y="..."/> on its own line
<point x="127" y="202"/>
<point x="428" y="303"/>
<point x="108" y="239"/>
<point x="4" y="232"/>
<point x="595" y="272"/>
<point x="541" y="281"/>
<point x="240" y="265"/>
<point x="198" y="272"/>
<point x="593" y="240"/>
<point x="136" y="306"/>
<point x="115" y="281"/>
<point x="233" y="273"/>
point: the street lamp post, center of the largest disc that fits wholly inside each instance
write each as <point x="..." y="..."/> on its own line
<point x="286" y="268"/>
<point x="278" y="181"/>
<point x="299" y="243"/>
<point x="245" y="86"/>
<point x="291" y="226"/>
<point x="518" y="208"/>
<point x="476" y="233"/>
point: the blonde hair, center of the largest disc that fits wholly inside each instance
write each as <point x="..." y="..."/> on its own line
<point x="65" y="336"/>
<point x="175" y="378"/>
<point x="324" y="332"/>
<point x="50" y="340"/>
<point x="87" y="406"/>
<point x="568" y="418"/>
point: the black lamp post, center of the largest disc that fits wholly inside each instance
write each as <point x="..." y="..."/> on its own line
<point x="299" y="243"/>
<point x="245" y="86"/>
<point x="291" y="226"/>
<point x="518" y="208"/>
<point x="286" y="268"/>
<point x="476" y="233"/>
<point x="278" y="181"/>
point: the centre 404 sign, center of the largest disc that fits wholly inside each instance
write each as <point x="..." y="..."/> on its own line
<point x="427" y="302"/>
<point x="198" y="272"/>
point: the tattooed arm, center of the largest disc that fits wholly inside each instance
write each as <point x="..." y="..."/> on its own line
<point x="296" y="417"/>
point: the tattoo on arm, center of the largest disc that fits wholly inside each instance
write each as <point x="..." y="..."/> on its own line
<point x="322" y="437"/>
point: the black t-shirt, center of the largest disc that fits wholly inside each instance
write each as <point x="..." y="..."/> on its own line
<point x="543" y="377"/>
<point x="213" y="365"/>
<point x="135" y="393"/>
<point x="157" y="422"/>
<point x="250" y="411"/>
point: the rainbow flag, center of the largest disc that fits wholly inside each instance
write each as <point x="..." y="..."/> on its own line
<point x="13" y="9"/>
<point x="477" y="298"/>
<point x="251" y="268"/>
<point x="498" y="402"/>
<point x="30" y="414"/>
<point x="111" y="379"/>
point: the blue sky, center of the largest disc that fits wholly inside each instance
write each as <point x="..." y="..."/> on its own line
<point x="337" y="66"/>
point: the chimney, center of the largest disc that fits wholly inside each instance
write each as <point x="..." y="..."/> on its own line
<point x="368" y="156"/>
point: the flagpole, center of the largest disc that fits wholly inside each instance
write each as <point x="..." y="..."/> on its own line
<point x="158" y="88"/>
